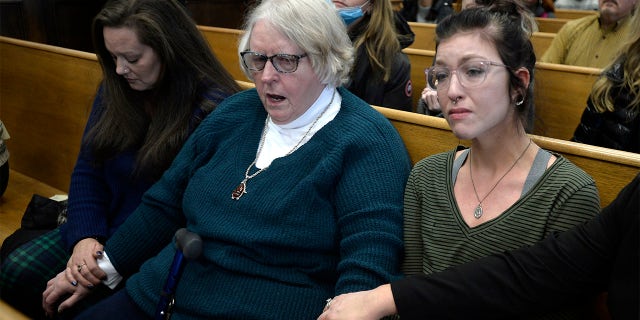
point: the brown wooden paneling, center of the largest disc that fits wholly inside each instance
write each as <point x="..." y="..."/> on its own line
<point x="12" y="23"/>
<point x="219" y="13"/>
<point x="45" y="98"/>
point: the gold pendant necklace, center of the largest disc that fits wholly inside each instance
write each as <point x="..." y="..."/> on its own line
<point x="241" y="189"/>
<point x="477" y="213"/>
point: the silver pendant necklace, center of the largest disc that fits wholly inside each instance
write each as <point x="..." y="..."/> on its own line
<point x="241" y="189"/>
<point x="477" y="213"/>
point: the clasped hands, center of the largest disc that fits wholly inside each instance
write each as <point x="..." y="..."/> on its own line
<point x="75" y="282"/>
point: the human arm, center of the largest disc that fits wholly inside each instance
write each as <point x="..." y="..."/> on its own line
<point x="562" y="269"/>
<point x="372" y="304"/>
<point x="88" y="206"/>
<point x="152" y="225"/>
<point x="368" y="200"/>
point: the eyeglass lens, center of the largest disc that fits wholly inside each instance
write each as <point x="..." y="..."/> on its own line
<point x="284" y="63"/>
<point x="470" y="74"/>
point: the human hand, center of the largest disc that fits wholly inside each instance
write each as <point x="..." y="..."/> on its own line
<point x="430" y="98"/>
<point x="363" y="305"/>
<point x="57" y="288"/>
<point x="83" y="262"/>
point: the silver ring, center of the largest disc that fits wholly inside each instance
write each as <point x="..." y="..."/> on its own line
<point x="326" y="306"/>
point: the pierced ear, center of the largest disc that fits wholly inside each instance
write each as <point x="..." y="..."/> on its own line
<point x="523" y="74"/>
<point x="520" y="100"/>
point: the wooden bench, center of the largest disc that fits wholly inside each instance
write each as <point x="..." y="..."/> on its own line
<point x="46" y="95"/>
<point x="425" y="38"/>
<point x="561" y="93"/>
<point x="573" y="13"/>
<point x="552" y="25"/>
<point x="7" y="312"/>
<point x="224" y="43"/>
<point x="541" y="42"/>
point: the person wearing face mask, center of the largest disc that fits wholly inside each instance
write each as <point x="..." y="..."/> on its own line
<point x="381" y="74"/>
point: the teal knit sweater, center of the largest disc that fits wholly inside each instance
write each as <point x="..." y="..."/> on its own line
<point x="325" y="220"/>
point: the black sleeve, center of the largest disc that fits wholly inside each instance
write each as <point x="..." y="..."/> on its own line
<point x="398" y="90"/>
<point x="589" y="127"/>
<point x="563" y="269"/>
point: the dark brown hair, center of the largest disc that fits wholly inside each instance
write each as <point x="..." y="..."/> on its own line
<point x="507" y="24"/>
<point x="156" y="121"/>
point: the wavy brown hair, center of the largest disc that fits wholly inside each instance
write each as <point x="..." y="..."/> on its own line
<point x="508" y="25"/>
<point x="377" y="34"/>
<point x="601" y="96"/>
<point x="155" y="121"/>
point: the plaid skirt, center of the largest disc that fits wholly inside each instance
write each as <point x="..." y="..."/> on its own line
<point x="25" y="272"/>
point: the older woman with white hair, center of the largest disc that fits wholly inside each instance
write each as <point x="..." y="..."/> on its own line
<point x="295" y="187"/>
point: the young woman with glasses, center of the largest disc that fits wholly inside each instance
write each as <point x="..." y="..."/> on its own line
<point x="295" y="188"/>
<point x="503" y="191"/>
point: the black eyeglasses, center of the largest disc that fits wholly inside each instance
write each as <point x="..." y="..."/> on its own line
<point x="470" y="74"/>
<point x="284" y="63"/>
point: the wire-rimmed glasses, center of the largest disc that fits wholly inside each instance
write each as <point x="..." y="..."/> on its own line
<point x="470" y="74"/>
<point x="282" y="62"/>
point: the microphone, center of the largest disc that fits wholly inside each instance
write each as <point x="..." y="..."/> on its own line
<point x="189" y="247"/>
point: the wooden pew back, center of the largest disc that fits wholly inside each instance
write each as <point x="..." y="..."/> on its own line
<point x="46" y="95"/>
<point x="551" y="25"/>
<point x="425" y="38"/>
<point x="224" y="43"/>
<point x="541" y="42"/>
<point x="573" y="13"/>
<point x="561" y="93"/>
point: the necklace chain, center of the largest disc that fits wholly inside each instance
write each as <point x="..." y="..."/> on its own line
<point x="477" y="213"/>
<point x="242" y="187"/>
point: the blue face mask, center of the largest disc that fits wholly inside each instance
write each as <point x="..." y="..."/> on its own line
<point x="350" y="14"/>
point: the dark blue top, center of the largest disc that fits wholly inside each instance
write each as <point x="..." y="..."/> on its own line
<point x="102" y="197"/>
